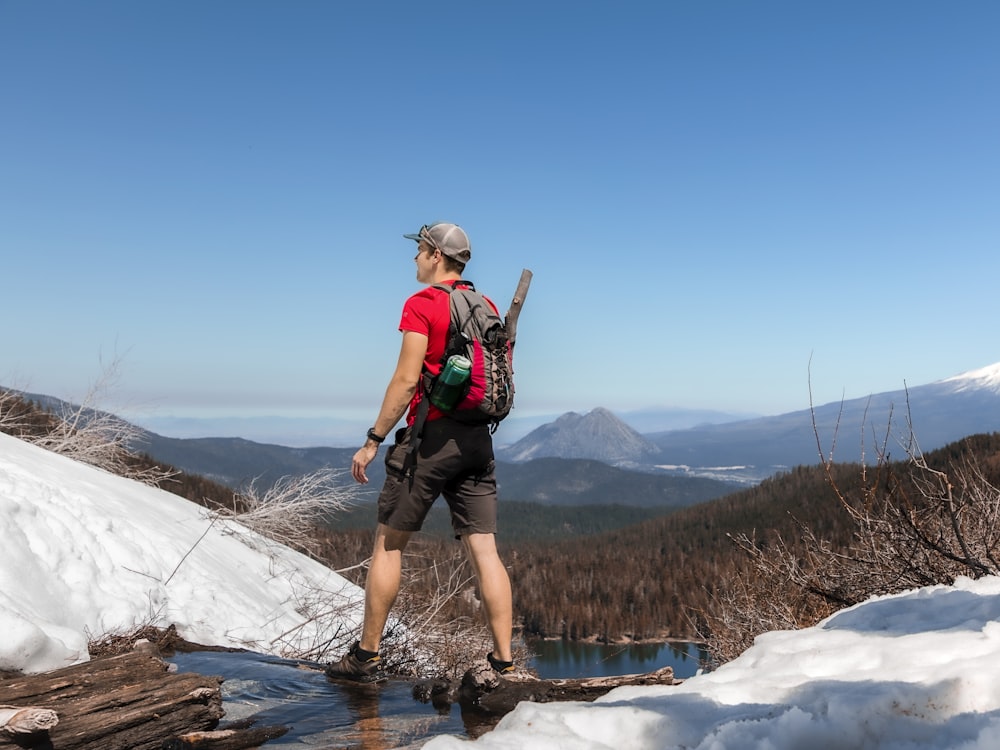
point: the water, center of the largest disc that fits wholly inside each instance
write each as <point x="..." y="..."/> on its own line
<point x="322" y="714"/>
<point x="568" y="659"/>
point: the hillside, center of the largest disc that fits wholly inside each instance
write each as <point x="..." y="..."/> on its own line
<point x="563" y="481"/>
<point x="665" y="570"/>
<point x="236" y="462"/>
<point x="519" y="521"/>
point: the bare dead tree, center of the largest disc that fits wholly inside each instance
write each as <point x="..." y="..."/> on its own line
<point x="913" y="525"/>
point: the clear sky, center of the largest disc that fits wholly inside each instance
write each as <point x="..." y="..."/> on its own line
<point x="711" y="195"/>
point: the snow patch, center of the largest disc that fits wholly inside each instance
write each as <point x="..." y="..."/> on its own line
<point x="987" y="378"/>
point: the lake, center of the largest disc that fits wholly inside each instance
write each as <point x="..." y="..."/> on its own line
<point x="324" y="714"/>
<point x="557" y="659"/>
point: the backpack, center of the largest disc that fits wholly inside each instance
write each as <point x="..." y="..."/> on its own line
<point x="478" y="333"/>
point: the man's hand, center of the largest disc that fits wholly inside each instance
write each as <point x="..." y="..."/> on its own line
<point x="365" y="455"/>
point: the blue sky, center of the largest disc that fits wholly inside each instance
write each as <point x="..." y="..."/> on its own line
<point x="711" y="195"/>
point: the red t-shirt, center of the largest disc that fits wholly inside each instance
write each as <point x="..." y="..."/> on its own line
<point x="429" y="312"/>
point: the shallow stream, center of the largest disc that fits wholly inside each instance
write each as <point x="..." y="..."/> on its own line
<point x="324" y="714"/>
<point x="321" y="713"/>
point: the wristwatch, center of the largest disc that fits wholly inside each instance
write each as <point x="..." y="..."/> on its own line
<point x="375" y="437"/>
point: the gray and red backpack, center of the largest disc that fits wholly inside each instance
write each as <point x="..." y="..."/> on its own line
<point x="478" y="333"/>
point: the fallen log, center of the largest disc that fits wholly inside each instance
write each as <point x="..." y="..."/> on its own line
<point x="481" y="690"/>
<point x="125" y="702"/>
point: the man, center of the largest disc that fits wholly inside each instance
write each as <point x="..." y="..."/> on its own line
<point x="454" y="459"/>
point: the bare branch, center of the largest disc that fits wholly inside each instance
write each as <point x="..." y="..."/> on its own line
<point x="289" y="510"/>
<point x="914" y="525"/>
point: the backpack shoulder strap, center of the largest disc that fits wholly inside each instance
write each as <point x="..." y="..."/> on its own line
<point x="426" y="381"/>
<point x="459" y="284"/>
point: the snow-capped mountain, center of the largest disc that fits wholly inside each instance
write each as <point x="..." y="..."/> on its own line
<point x="911" y="419"/>
<point x="983" y="379"/>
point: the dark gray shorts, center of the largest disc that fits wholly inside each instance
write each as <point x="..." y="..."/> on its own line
<point x="454" y="460"/>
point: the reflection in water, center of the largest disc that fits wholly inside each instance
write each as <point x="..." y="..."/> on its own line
<point x="362" y="702"/>
<point x="321" y="713"/>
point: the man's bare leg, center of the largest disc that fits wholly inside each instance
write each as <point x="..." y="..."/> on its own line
<point x="382" y="583"/>
<point x="494" y="586"/>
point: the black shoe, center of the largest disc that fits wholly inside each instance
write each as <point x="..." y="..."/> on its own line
<point x="500" y="667"/>
<point x="357" y="668"/>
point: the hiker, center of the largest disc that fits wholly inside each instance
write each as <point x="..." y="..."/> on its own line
<point x="454" y="459"/>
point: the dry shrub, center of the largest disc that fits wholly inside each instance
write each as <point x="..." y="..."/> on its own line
<point x="913" y="525"/>
<point x="290" y="510"/>
<point x="82" y="432"/>
<point x="437" y="627"/>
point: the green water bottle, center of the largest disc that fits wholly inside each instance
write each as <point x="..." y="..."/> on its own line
<point x="450" y="383"/>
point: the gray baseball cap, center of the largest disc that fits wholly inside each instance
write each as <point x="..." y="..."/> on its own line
<point x="450" y="239"/>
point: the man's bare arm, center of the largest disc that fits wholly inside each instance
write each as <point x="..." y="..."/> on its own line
<point x="398" y="394"/>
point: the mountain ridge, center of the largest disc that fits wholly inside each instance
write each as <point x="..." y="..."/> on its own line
<point x="749" y="450"/>
<point x="732" y="453"/>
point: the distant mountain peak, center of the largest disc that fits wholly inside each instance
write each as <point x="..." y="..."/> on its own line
<point x="597" y="435"/>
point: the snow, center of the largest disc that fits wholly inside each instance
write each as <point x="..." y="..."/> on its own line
<point x="916" y="670"/>
<point x="85" y="552"/>
<point x="984" y="378"/>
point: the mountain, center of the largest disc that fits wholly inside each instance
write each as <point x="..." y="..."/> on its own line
<point x="749" y="450"/>
<point x="663" y="418"/>
<point x="854" y="430"/>
<point x="598" y="435"/>
<point x="236" y="462"/>
<point x="745" y="451"/>
<point x="306" y="432"/>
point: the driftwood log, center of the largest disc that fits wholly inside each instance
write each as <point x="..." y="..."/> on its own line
<point x="482" y="691"/>
<point x="238" y="736"/>
<point x="125" y="702"/>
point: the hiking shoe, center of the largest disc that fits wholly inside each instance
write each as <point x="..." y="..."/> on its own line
<point x="357" y="668"/>
<point x="502" y="668"/>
